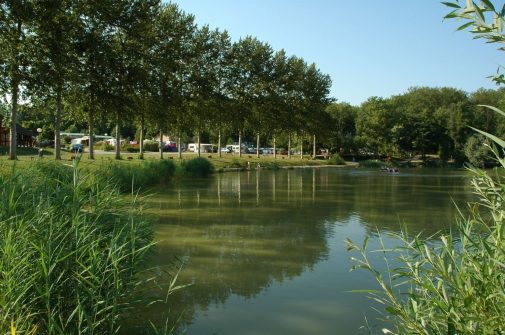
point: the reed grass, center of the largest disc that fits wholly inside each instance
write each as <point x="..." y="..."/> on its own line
<point x="128" y="177"/>
<point x="71" y="250"/>
<point x="454" y="283"/>
<point x="196" y="167"/>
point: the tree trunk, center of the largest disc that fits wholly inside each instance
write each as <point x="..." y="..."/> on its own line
<point x="275" y="149"/>
<point x="258" y="145"/>
<point x="301" y="146"/>
<point x="289" y="145"/>
<point x="57" y="125"/>
<point x="15" y="77"/>
<point x="179" y="146"/>
<point x="219" y="142"/>
<point x="161" y="144"/>
<point x="240" y="143"/>
<point x="141" y="140"/>
<point x="118" y="140"/>
<point x="14" y="115"/>
<point x="91" y="136"/>
<point x="314" y="147"/>
<point x="198" y="138"/>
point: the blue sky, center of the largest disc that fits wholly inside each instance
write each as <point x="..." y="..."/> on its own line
<point x="368" y="47"/>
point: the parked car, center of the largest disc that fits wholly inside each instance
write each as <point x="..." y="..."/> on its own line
<point x="76" y="147"/>
<point x="46" y="143"/>
<point x="226" y="150"/>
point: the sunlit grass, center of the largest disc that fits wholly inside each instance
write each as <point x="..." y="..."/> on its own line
<point x="71" y="249"/>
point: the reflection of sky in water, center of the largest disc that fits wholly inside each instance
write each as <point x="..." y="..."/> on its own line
<point x="266" y="252"/>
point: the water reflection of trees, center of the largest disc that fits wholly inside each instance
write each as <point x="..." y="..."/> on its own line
<point x="243" y="231"/>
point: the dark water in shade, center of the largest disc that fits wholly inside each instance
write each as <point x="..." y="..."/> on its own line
<point x="266" y="252"/>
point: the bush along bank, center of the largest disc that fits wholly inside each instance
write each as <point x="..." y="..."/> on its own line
<point x="70" y="252"/>
<point x="196" y="167"/>
<point x="135" y="176"/>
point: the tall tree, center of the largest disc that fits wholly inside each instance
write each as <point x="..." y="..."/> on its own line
<point x="143" y="75"/>
<point x="294" y="121"/>
<point x="55" y="56"/>
<point x="203" y="76"/>
<point x="221" y="96"/>
<point x="174" y="36"/>
<point x="374" y="117"/>
<point x="95" y="52"/>
<point x="344" y="126"/>
<point x="246" y="65"/>
<point x="15" y="17"/>
<point x="275" y="120"/>
<point x="316" y="89"/>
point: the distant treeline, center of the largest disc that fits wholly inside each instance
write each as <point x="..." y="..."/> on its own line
<point x="421" y="121"/>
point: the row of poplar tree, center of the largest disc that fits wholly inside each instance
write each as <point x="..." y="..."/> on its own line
<point x="148" y="63"/>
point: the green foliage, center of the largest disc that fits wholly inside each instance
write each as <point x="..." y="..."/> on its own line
<point x="132" y="149"/>
<point x="344" y="126"/>
<point x="197" y="167"/>
<point x="335" y="159"/>
<point x="484" y="21"/>
<point x="104" y="145"/>
<point x="271" y="166"/>
<point x="25" y="151"/>
<point x="477" y="150"/>
<point x="373" y="118"/>
<point x="455" y="283"/>
<point x="70" y="252"/>
<point x="372" y="163"/>
<point x="235" y="163"/>
<point x="151" y="146"/>
<point x="128" y="177"/>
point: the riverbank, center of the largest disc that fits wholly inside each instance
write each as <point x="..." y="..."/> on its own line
<point x="224" y="163"/>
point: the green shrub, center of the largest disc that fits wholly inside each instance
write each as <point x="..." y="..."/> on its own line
<point x="151" y="146"/>
<point x="133" y="176"/>
<point x="335" y="159"/>
<point x="432" y="162"/>
<point x="235" y="163"/>
<point x="34" y="151"/>
<point x="477" y="151"/>
<point x="132" y="149"/>
<point x="271" y="165"/>
<point x="197" y="167"/>
<point x="103" y="145"/>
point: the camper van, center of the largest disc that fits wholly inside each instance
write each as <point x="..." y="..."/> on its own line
<point x="204" y="147"/>
<point x="76" y="145"/>
<point x="236" y="148"/>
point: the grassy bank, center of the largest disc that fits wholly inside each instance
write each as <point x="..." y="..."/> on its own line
<point x="70" y="251"/>
<point x="144" y="171"/>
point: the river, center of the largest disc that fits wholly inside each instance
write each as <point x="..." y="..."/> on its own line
<point x="265" y="251"/>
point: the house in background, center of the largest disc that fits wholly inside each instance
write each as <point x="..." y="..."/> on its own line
<point x="4" y="134"/>
<point x="26" y="137"/>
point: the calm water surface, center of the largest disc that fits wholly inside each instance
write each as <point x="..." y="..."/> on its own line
<point x="266" y="253"/>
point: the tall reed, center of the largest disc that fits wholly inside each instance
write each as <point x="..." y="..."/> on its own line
<point x="133" y="176"/>
<point x="454" y="284"/>
<point x="196" y="167"/>
<point x="70" y="252"/>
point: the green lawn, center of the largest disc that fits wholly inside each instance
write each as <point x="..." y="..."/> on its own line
<point x="28" y="155"/>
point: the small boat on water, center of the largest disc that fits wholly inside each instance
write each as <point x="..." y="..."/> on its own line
<point x="390" y="170"/>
